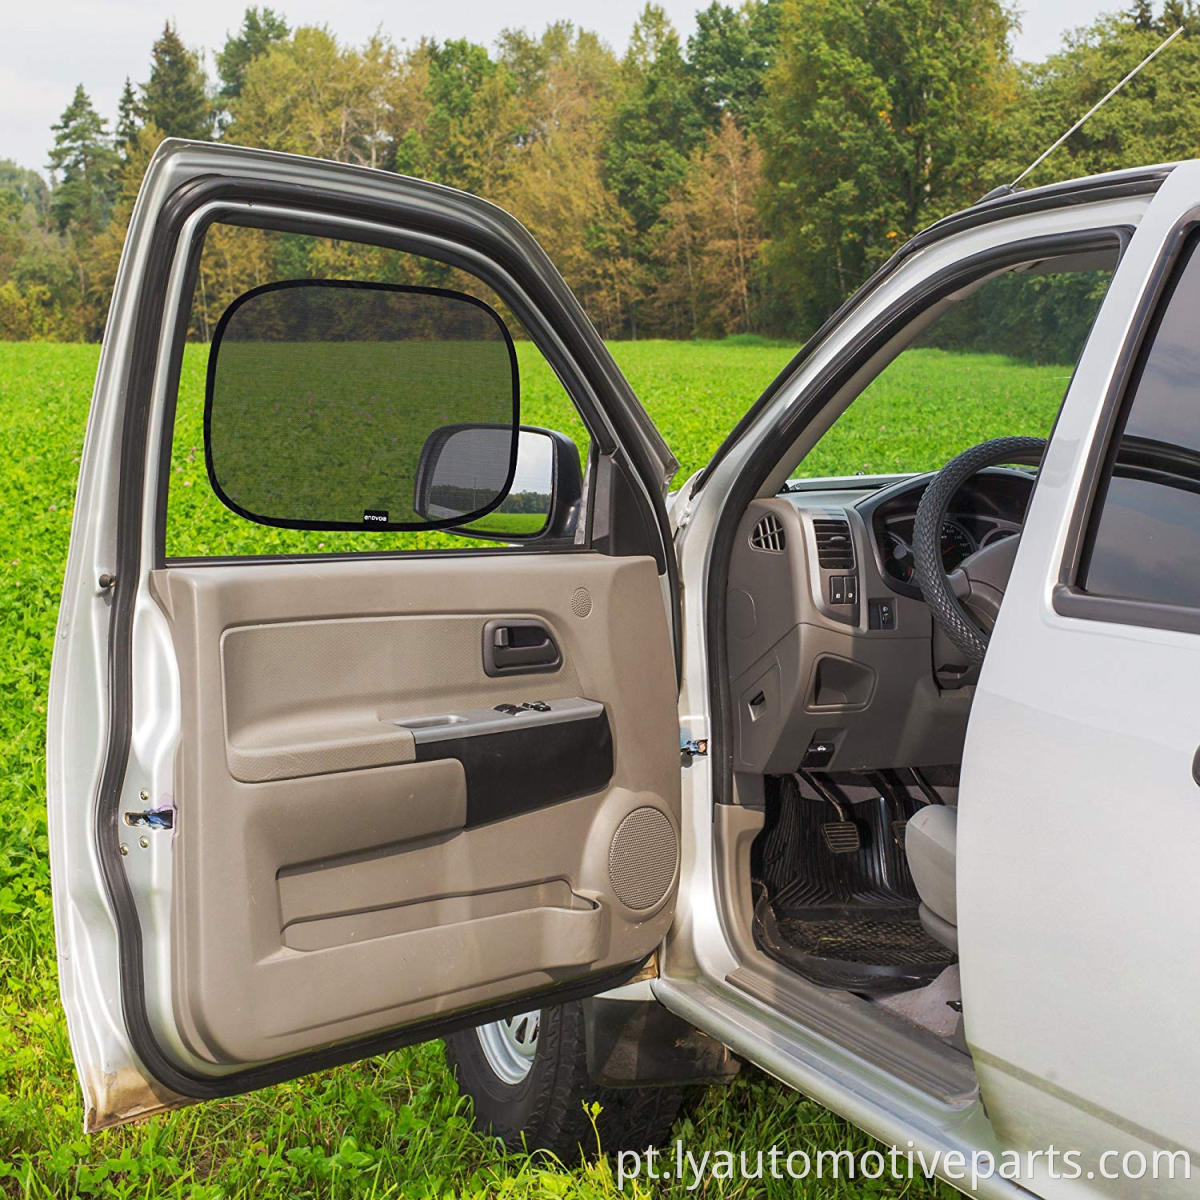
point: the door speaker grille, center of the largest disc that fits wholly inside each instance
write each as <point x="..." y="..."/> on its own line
<point x="581" y="602"/>
<point x="768" y="535"/>
<point x="642" y="858"/>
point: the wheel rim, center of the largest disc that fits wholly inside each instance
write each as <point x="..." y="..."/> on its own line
<point x="509" y="1045"/>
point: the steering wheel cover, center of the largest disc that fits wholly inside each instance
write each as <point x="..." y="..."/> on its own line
<point x="928" y="568"/>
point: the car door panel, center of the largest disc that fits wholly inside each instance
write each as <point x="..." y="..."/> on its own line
<point x="321" y="863"/>
<point x="290" y="826"/>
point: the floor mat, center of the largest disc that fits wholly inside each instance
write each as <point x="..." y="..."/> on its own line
<point x="842" y="920"/>
<point x="867" y="950"/>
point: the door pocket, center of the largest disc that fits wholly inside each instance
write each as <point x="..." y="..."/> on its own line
<point x="312" y="919"/>
<point x="468" y="953"/>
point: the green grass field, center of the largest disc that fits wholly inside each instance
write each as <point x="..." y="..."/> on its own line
<point x="392" y="1126"/>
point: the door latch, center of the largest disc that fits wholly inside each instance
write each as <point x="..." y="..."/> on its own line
<point x="691" y="748"/>
<point x="151" y="818"/>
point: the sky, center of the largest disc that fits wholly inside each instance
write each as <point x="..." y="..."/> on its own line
<point x="48" y="46"/>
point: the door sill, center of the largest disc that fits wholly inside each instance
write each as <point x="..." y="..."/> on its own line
<point x="879" y="1085"/>
<point x="888" y="1044"/>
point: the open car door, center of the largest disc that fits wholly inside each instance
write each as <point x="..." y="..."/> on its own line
<point x="315" y="799"/>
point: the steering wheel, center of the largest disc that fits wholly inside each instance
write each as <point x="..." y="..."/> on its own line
<point x="965" y="601"/>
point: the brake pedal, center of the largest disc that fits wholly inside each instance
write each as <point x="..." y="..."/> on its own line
<point x="841" y="837"/>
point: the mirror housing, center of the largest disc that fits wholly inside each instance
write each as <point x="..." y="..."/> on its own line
<point x="542" y="503"/>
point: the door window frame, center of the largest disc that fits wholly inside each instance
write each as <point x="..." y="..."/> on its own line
<point x="1068" y="599"/>
<point x="302" y="219"/>
<point x="821" y="391"/>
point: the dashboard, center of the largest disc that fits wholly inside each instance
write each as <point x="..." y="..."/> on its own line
<point x="987" y="509"/>
<point x="833" y="655"/>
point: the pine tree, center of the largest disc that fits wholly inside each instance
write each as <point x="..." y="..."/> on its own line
<point x="1178" y="13"/>
<point x="175" y="97"/>
<point x="1142" y="14"/>
<point x="129" y="120"/>
<point x="261" y="29"/>
<point x="83" y="167"/>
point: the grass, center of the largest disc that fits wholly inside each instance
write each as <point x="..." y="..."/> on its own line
<point x="392" y="1126"/>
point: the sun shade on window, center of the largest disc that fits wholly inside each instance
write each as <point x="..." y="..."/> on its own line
<point x="322" y="395"/>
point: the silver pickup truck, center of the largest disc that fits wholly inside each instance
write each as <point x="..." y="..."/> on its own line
<point x="616" y="788"/>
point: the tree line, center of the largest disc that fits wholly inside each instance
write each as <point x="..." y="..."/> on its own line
<point x="743" y="181"/>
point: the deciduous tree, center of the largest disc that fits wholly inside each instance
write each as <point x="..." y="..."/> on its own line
<point x="310" y="95"/>
<point x="880" y="117"/>
<point x="655" y="125"/>
<point x="710" y="239"/>
<point x="565" y="83"/>
<point x="1156" y="118"/>
<point x="728" y="57"/>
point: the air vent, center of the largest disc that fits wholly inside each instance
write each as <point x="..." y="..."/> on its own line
<point x="835" y="550"/>
<point x="768" y="535"/>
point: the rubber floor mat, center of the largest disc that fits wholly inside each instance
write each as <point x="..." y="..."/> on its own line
<point x="842" y="920"/>
<point x="867" y="950"/>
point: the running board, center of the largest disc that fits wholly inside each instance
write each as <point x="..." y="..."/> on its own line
<point x="757" y="1020"/>
<point x="925" y="1062"/>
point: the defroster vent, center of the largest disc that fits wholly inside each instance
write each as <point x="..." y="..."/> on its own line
<point x="768" y="535"/>
<point x="835" y="549"/>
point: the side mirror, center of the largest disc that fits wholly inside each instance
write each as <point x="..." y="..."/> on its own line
<point x="458" y="465"/>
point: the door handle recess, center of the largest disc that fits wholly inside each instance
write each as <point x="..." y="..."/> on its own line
<point x="519" y="647"/>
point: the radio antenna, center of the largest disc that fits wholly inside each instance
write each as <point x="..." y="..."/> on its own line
<point x="1004" y="189"/>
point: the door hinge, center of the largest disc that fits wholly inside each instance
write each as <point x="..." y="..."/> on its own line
<point x="683" y="510"/>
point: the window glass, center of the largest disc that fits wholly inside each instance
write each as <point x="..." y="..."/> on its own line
<point x="1144" y="543"/>
<point x="995" y="363"/>
<point x="236" y="260"/>
<point x="323" y="395"/>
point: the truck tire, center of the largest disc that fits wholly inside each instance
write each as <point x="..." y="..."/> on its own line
<point x="528" y="1079"/>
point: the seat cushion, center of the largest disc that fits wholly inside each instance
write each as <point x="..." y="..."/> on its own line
<point x="930" y="839"/>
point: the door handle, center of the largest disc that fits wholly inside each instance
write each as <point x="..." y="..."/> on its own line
<point x="517" y="647"/>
